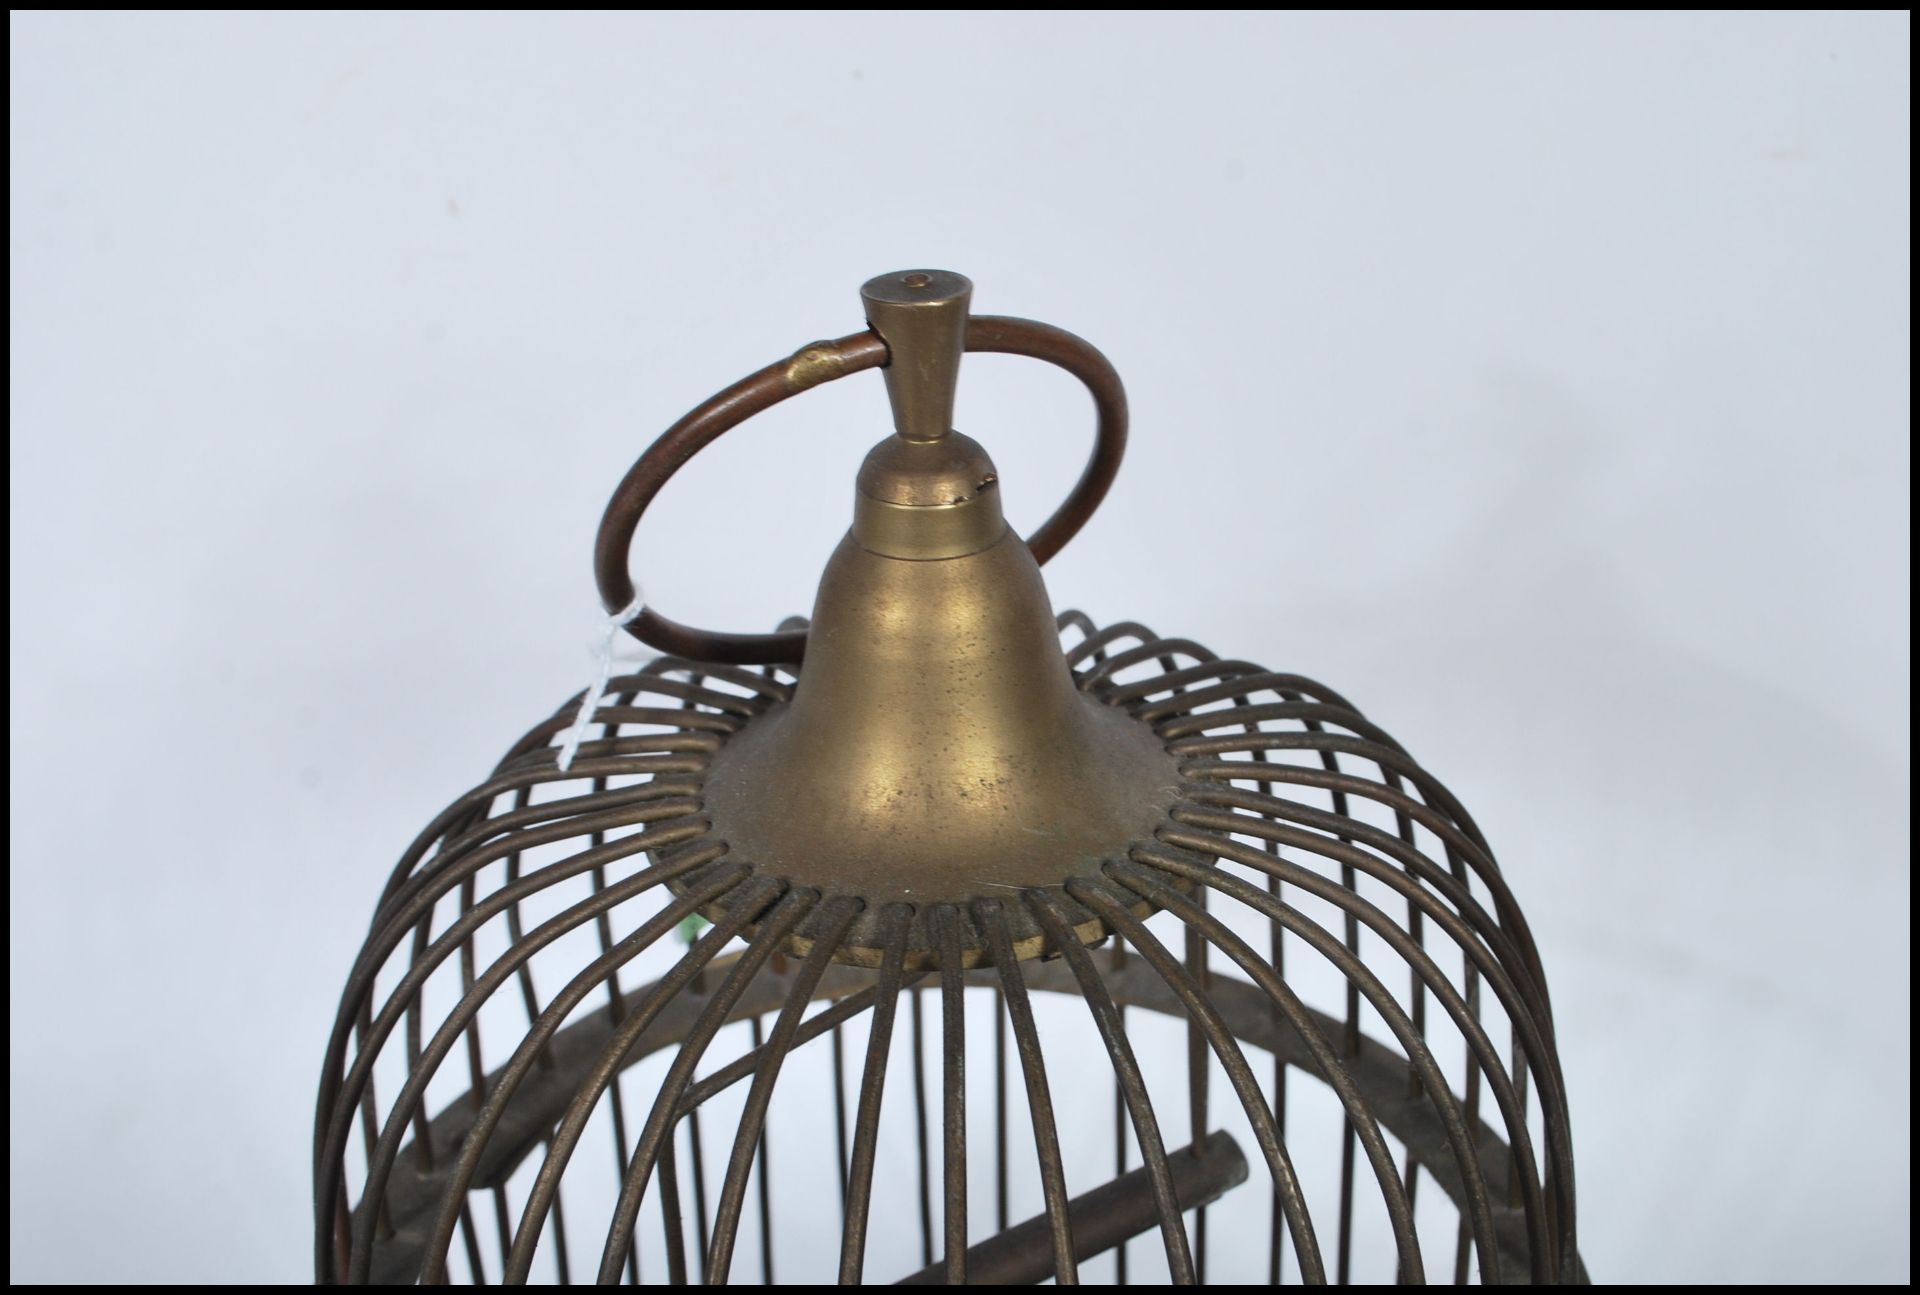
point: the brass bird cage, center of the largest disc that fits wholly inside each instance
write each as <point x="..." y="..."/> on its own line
<point x="863" y="853"/>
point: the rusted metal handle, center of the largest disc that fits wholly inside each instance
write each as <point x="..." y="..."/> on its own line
<point x="813" y="365"/>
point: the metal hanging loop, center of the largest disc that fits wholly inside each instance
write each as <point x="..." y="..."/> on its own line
<point x="811" y="366"/>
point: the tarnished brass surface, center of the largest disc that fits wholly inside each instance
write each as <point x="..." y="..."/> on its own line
<point x="927" y="499"/>
<point x="946" y="785"/>
<point x="936" y="748"/>
<point x="927" y="321"/>
<point x="922" y="317"/>
<point x="813" y="364"/>
<point x="937" y="531"/>
<point x="925" y="474"/>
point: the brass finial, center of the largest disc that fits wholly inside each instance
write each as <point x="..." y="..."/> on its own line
<point x="936" y="748"/>
<point x="922" y="317"/>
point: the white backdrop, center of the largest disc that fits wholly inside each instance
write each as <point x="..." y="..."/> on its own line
<point x="1557" y="367"/>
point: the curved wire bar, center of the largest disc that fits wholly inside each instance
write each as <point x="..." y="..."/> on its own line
<point x="1357" y="973"/>
<point x="1412" y="879"/>
<point x="1208" y="722"/>
<point x="990" y="916"/>
<point x="733" y="1189"/>
<point x="945" y="921"/>
<point x="1279" y="1163"/>
<point x="380" y="1162"/>
<point x="1472" y="853"/>
<point x="1399" y="1208"/>
<point x="873" y="1081"/>
<point x="392" y="927"/>
<point x="1532" y="1045"/>
<point x="757" y="894"/>
<point x="1230" y="724"/>
<point x="1133" y="1086"/>
<point x="772" y="933"/>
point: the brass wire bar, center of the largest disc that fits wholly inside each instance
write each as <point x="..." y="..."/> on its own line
<point x="873" y="1080"/>
<point x="990" y="917"/>
<point x="696" y="1146"/>
<point x="1146" y="1126"/>
<point x="409" y="1101"/>
<point x="747" y="1138"/>
<point x="922" y="1158"/>
<point x="953" y="1088"/>
<point x="1483" y="951"/>
<point x="763" y="1195"/>
<point x="1000" y="1201"/>
<point x="638" y="795"/>
<point x="1232" y="1060"/>
<point x="1357" y="972"/>
<point x="841" y="1139"/>
<point x="1100" y="1220"/>
<point x="792" y="906"/>
<point x="938" y="794"/>
<point x="1361" y="1120"/>
<point x="560" y="1146"/>
<point x="821" y="1022"/>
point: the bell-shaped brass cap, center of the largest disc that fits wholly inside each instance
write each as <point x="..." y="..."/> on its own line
<point x="935" y="748"/>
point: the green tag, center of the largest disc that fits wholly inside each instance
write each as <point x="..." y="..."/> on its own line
<point x="690" y="928"/>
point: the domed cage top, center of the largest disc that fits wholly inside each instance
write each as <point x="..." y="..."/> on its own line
<point x="1142" y="889"/>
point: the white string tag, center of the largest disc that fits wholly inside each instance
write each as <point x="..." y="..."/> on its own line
<point x="590" y="702"/>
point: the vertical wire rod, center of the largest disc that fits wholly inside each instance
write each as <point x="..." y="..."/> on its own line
<point x="406" y="996"/>
<point x="764" y="1180"/>
<point x="603" y="929"/>
<point x="990" y="916"/>
<point x="416" y="913"/>
<point x="1126" y="1069"/>
<point x="1119" y="1119"/>
<point x="945" y="921"/>
<point x="772" y="933"/>
<point x="1490" y="948"/>
<point x="839" y="914"/>
<point x="1000" y="1201"/>
<point x="840" y="1134"/>
<point x="1232" y="1060"/>
<point x="918" y="1007"/>
<point x="758" y="894"/>
<point x="569" y="997"/>
<point x="1359" y="1116"/>
<point x="1023" y="1254"/>
<point x="1198" y="1074"/>
<point x="895" y="919"/>
<point x="412" y="1095"/>
<point x="1559" y="1149"/>
<point x="1335" y="951"/>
